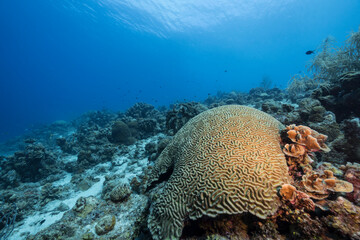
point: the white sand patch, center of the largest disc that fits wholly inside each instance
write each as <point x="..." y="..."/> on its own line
<point x="129" y="167"/>
<point x="95" y="191"/>
<point x="63" y="181"/>
<point x="126" y="165"/>
<point x="49" y="215"/>
<point x="68" y="159"/>
<point x="127" y="217"/>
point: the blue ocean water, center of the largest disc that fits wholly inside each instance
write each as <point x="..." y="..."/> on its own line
<point x="59" y="59"/>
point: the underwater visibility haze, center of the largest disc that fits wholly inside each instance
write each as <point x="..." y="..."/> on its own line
<point x="180" y="119"/>
<point x="59" y="59"/>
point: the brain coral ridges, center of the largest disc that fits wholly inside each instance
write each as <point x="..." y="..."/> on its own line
<point x="226" y="160"/>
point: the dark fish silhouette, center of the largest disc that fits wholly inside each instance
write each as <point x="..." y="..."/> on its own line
<point x="310" y="52"/>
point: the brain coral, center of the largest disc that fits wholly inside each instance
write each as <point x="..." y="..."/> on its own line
<point x="226" y="160"/>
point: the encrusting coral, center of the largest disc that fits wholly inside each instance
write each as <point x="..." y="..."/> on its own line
<point x="319" y="186"/>
<point x="226" y="160"/>
<point x="287" y="191"/>
<point x="344" y="218"/>
<point x="298" y="199"/>
<point x="235" y="159"/>
<point x="307" y="137"/>
<point x="352" y="175"/>
<point x="303" y="141"/>
<point x="294" y="150"/>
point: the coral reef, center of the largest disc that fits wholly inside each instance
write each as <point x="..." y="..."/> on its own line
<point x="305" y="209"/>
<point x="92" y="216"/>
<point x="351" y="128"/>
<point x="352" y="175"/>
<point x="319" y="186"/>
<point x="341" y="96"/>
<point x="332" y="85"/>
<point x="84" y="206"/>
<point x="331" y="68"/>
<point x="300" y="86"/>
<point x="344" y="217"/>
<point x="30" y="165"/>
<point x="144" y="120"/>
<point x="300" y="141"/>
<point x="86" y="179"/>
<point x="120" y="193"/>
<point x="154" y="150"/>
<point x="218" y="151"/>
<point x="105" y="225"/>
<point x="295" y="198"/>
<point x="181" y="114"/>
<point x="120" y="133"/>
<point x="64" y="145"/>
<point x="308" y="138"/>
<point x="8" y="213"/>
<point x="142" y="110"/>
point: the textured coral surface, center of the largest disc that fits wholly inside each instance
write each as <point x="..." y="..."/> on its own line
<point x="226" y="160"/>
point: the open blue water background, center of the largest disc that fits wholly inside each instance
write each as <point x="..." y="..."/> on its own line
<point x="59" y="59"/>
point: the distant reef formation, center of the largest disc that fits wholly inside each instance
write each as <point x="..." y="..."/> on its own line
<point x="178" y="172"/>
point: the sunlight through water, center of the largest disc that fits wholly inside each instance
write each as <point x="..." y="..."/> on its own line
<point x="163" y="16"/>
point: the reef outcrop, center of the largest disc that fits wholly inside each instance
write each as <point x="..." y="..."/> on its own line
<point x="226" y="160"/>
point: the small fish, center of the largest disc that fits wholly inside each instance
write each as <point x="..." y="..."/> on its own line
<point x="310" y="52"/>
<point x="225" y="70"/>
